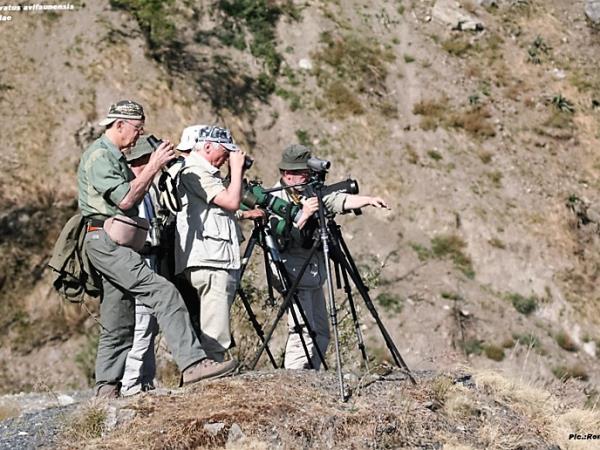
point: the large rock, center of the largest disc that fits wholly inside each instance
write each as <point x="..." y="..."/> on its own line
<point x="592" y="11"/>
<point x="450" y="12"/>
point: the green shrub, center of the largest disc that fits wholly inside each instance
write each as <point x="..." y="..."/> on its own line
<point x="457" y="46"/>
<point x="341" y="101"/>
<point x="153" y="17"/>
<point x="422" y="252"/>
<point x="564" y="373"/>
<point x="566" y="342"/>
<point x="350" y="66"/>
<point x="435" y="155"/>
<point x="472" y="347"/>
<point x="537" y="50"/>
<point x="525" y="305"/>
<point x="498" y="243"/>
<point x="527" y="340"/>
<point x="494" y="352"/>
<point x="303" y="137"/>
<point x="452" y="246"/>
<point x="508" y="343"/>
<point x="451" y="296"/>
<point x="390" y="302"/>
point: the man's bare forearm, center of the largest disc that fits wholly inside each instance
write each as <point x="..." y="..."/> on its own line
<point x="138" y="188"/>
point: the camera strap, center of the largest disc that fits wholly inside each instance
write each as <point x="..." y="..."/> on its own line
<point x="168" y="185"/>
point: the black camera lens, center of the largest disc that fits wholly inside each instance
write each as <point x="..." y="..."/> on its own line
<point x="318" y="165"/>
<point x="154" y="141"/>
<point x="248" y="162"/>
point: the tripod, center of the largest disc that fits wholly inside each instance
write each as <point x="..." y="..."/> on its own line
<point x="262" y="235"/>
<point x="334" y="249"/>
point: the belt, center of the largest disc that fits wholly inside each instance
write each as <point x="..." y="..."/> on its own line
<point x="93" y="222"/>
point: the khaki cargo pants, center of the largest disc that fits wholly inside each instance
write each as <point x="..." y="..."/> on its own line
<point x="216" y="290"/>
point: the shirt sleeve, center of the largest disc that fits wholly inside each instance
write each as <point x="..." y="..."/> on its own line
<point x="335" y="202"/>
<point x="202" y="184"/>
<point x="107" y="178"/>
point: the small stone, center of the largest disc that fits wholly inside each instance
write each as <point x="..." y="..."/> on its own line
<point x="305" y="64"/>
<point x="559" y="74"/>
<point x="235" y="434"/>
<point x="64" y="400"/>
<point x="351" y="377"/>
<point x="214" y="428"/>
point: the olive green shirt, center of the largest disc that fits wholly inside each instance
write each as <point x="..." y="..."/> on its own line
<point x="103" y="179"/>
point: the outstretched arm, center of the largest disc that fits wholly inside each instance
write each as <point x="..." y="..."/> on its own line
<point x="360" y="201"/>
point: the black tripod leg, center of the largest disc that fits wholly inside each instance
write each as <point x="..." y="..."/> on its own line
<point x="251" y="316"/>
<point x="348" y="263"/>
<point x="359" y="337"/>
<point x="284" y="306"/>
<point x="269" y="273"/>
<point x="256" y="325"/>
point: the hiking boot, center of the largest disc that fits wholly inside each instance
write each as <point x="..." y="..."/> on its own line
<point x="207" y="369"/>
<point x="108" y="391"/>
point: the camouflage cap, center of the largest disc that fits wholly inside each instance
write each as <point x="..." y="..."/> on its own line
<point x="124" y="109"/>
<point x="142" y="148"/>
<point x="294" y="157"/>
<point x="219" y="135"/>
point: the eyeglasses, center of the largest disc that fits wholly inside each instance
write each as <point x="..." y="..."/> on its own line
<point x="138" y="128"/>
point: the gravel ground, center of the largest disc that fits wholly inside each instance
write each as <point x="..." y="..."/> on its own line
<point x="33" y="430"/>
<point x="38" y="418"/>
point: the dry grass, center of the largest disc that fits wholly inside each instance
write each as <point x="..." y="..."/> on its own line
<point x="439" y="113"/>
<point x="86" y="423"/>
<point x="536" y="404"/>
<point x="302" y="410"/>
<point x="474" y="121"/>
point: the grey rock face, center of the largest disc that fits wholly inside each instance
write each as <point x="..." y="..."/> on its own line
<point x="592" y="11"/>
<point x="450" y="13"/>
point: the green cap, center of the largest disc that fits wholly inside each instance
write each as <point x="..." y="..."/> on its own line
<point x="294" y="157"/>
<point x="142" y="148"/>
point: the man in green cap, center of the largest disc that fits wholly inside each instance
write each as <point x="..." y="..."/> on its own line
<point x="295" y="250"/>
<point x="108" y="188"/>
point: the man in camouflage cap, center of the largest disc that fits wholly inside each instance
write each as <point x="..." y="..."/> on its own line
<point x="208" y="236"/>
<point x="107" y="187"/>
<point x="296" y="248"/>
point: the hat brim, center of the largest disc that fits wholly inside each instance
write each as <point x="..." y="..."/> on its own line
<point x="293" y="166"/>
<point x="106" y="122"/>
<point x="230" y="147"/>
<point x="184" y="147"/>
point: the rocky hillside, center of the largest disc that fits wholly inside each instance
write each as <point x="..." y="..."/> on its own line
<point x="476" y="120"/>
